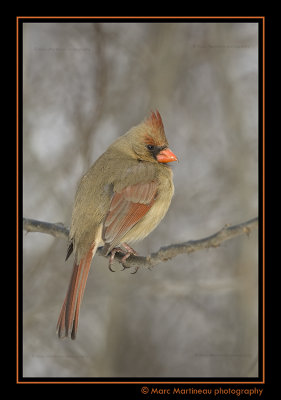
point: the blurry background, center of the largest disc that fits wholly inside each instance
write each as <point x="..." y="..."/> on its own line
<point x="84" y="85"/>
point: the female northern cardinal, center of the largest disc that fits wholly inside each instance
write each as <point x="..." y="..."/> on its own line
<point x="121" y="199"/>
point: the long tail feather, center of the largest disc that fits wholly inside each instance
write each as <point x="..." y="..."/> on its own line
<point x="68" y="318"/>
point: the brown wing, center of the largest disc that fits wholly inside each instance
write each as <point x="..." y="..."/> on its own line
<point x="127" y="207"/>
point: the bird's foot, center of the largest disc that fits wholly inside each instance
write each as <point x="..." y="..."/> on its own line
<point x="112" y="255"/>
<point x="129" y="250"/>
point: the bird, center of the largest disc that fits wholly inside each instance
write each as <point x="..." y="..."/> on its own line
<point x="119" y="200"/>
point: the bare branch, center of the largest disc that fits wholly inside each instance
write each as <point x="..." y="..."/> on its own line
<point x="164" y="253"/>
<point x="57" y="230"/>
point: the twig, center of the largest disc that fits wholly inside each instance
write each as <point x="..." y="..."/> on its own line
<point x="57" y="230"/>
<point x="164" y="253"/>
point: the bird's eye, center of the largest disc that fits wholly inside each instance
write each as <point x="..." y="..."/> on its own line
<point x="150" y="147"/>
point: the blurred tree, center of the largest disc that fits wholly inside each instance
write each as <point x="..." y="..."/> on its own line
<point x="84" y="85"/>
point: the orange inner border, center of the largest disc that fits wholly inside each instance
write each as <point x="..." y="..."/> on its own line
<point x="262" y="18"/>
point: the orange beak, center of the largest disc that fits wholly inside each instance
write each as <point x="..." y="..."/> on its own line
<point x="166" y="156"/>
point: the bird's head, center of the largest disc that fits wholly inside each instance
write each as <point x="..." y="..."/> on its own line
<point x="149" y="142"/>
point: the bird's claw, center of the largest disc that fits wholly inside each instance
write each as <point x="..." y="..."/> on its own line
<point x="128" y="250"/>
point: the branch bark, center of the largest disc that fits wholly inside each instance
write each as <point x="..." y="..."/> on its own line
<point x="164" y="253"/>
<point x="57" y="230"/>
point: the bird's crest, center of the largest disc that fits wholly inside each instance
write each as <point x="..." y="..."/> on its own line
<point x="154" y="122"/>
